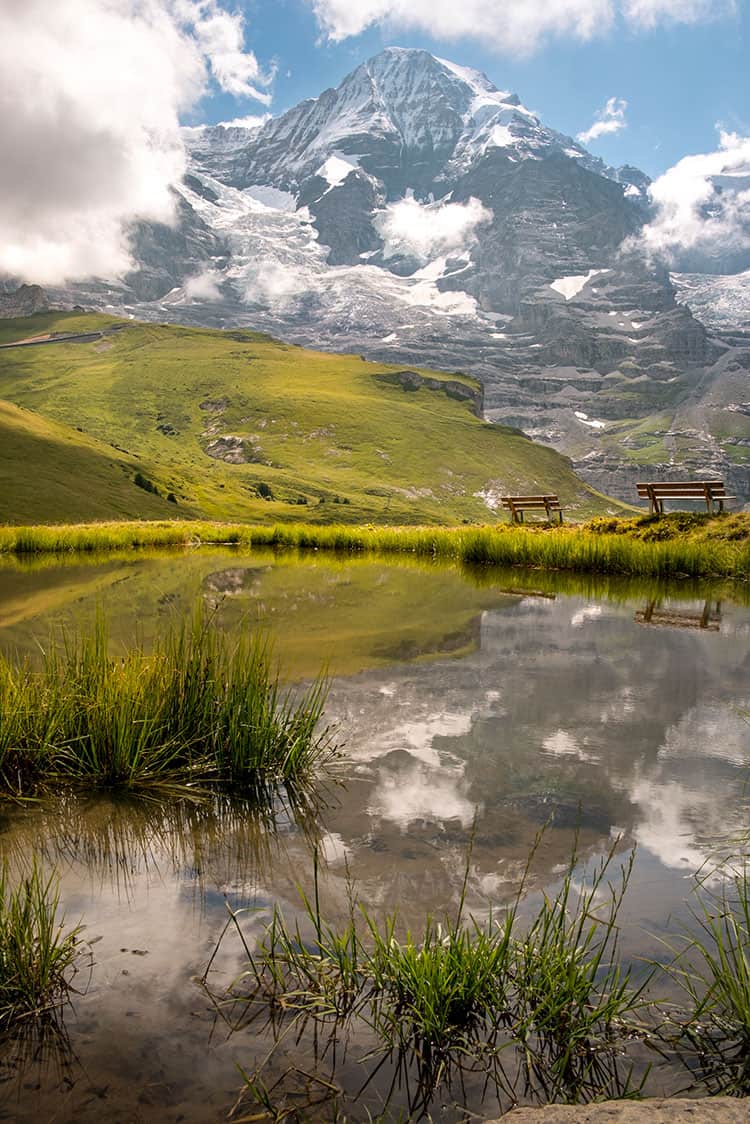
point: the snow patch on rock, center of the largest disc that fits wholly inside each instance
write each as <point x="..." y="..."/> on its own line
<point x="272" y="197"/>
<point x="336" y="168"/>
<point x="570" y="287"/>
<point x="593" y="423"/>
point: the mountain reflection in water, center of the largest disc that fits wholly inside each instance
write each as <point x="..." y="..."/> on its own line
<point x="509" y="703"/>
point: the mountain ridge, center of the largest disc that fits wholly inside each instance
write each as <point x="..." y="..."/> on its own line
<point x="417" y="214"/>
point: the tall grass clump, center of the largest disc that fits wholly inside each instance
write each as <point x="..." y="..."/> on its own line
<point x="572" y="993"/>
<point x="540" y="1001"/>
<point x="199" y="707"/>
<point x="37" y="955"/>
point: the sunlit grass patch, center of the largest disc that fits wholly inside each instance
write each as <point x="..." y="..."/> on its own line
<point x="237" y="426"/>
<point x="679" y="546"/>
<point x="199" y="707"/>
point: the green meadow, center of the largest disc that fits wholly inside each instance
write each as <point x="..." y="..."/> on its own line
<point x="237" y="426"/>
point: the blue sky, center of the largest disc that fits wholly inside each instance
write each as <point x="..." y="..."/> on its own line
<point x="679" y="79"/>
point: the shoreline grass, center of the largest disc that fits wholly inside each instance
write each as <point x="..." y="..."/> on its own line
<point x="199" y="708"/>
<point x="544" y="1003"/>
<point x="713" y="970"/>
<point x="542" y="1006"/>
<point x="36" y="954"/>
<point x="676" y="545"/>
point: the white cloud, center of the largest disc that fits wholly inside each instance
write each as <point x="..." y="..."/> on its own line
<point x="204" y="286"/>
<point x="649" y="13"/>
<point x="515" y="25"/>
<point x="608" y="120"/>
<point x="276" y="284"/>
<point x="220" y="37"/>
<point x="90" y="97"/>
<point x="251" y="121"/>
<point x="427" y="230"/>
<point x="703" y="202"/>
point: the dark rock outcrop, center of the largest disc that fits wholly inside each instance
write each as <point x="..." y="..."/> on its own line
<point x="24" y="301"/>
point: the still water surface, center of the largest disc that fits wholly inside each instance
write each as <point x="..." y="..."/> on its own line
<point x="508" y="700"/>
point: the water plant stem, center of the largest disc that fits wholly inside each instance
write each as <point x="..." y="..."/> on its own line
<point x="455" y="998"/>
<point x="36" y="954"/>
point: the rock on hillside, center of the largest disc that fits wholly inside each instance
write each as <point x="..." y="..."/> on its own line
<point x="24" y="301"/>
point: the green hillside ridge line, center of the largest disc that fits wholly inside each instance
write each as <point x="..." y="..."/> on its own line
<point x="239" y="426"/>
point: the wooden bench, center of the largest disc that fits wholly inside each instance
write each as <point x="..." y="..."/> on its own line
<point x="518" y="504"/>
<point x="709" y="616"/>
<point x="657" y="491"/>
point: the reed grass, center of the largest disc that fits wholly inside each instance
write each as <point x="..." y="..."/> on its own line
<point x="200" y="707"/>
<point x="672" y="546"/>
<point x="571" y="990"/>
<point x="37" y="955"/>
<point x="457" y="997"/>
<point x="714" y="971"/>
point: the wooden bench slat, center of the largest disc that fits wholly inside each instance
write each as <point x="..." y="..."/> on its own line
<point x="683" y="488"/>
<point x="536" y="496"/>
<point x="656" y="491"/>
<point x="531" y="503"/>
<point x="518" y="504"/>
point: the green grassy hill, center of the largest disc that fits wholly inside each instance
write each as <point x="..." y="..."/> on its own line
<point x="49" y="471"/>
<point x="218" y="419"/>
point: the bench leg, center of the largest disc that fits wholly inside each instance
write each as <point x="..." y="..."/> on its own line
<point x="648" y="612"/>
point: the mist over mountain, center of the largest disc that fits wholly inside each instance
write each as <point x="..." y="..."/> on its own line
<point x="418" y="214"/>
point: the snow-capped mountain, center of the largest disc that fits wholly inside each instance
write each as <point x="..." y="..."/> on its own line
<point x="403" y="117"/>
<point x="421" y="215"/>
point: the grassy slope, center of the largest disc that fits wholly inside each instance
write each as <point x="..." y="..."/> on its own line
<point x="48" y="469"/>
<point x="316" y="425"/>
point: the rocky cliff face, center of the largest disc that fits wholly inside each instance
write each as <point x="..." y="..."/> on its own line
<point x="24" y="301"/>
<point x="420" y="215"/>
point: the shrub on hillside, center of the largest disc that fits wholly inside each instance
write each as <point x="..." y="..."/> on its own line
<point x="147" y="485"/>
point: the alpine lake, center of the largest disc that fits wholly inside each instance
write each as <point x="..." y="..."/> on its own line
<point x="492" y="726"/>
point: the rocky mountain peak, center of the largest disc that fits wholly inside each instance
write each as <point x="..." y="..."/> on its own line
<point x="404" y="78"/>
<point x="408" y="120"/>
